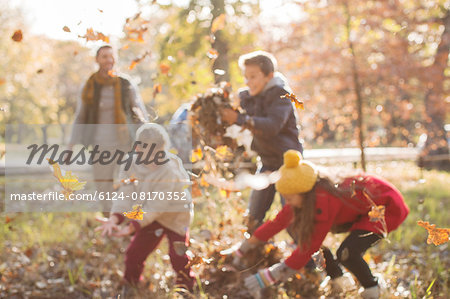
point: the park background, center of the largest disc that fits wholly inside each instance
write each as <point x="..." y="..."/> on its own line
<point x="370" y="74"/>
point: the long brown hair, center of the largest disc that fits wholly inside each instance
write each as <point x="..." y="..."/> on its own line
<point x="303" y="224"/>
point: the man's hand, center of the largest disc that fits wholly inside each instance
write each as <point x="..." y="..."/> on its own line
<point x="229" y="115"/>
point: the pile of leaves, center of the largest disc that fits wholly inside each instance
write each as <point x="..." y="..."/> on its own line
<point x="206" y="119"/>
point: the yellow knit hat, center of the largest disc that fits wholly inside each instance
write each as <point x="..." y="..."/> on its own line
<point x="297" y="175"/>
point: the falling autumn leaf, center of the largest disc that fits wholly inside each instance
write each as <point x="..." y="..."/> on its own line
<point x="17" y="36"/>
<point x="293" y="98"/>
<point x="132" y="65"/>
<point x="157" y="88"/>
<point x="91" y="35"/>
<point x="100" y="10"/>
<point x="124" y="47"/>
<point x="136" y="214"/>
<point x="164" y="68"/>
<point x="66" y="29"/>
<point x="39" y="71"/>
<point x="68" y="181"/>
<point x="376" y="213"/>
<point x="2" y="81"/>
<point x="218" y="23"/>
<point x="437" y="236"/>
<point x="212" y="53"/>
<point x="138" y="60"/>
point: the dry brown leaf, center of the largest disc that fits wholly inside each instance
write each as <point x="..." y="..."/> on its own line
<point x="298" y="104"/>
<point x="91" y="35"/>
<point x="66" y="29"/>
<point x="376" y="213"/>
<point x="157" y="88"/>
<point x="437" y="236"/>
<point x="136" y="214"/>
<point x="17" y="36"/>
<point x="138" y="60"/>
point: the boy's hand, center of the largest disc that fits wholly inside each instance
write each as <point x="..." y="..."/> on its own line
<point x="229" y="115"/>
<point x="108" y="225"/>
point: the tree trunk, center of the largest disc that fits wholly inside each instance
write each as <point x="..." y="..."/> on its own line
<point x="436" y="106"/>
<point x="357" y="86"/>
<point x="221" y="45"/>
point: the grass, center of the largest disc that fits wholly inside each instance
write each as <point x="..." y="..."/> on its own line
<point x="412" y="268"/>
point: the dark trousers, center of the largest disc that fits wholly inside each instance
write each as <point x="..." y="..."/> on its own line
<point x="350" y="255"/>
<point x="260" y="201"/>
<point x="144" y="242"/>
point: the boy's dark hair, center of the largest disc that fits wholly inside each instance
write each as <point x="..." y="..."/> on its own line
<point x="266" y="61"/>
<point x="101" y="48"/>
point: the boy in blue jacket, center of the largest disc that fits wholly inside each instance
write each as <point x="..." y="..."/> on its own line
<point x="270" y="118"/>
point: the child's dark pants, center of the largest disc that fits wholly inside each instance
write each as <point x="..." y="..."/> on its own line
<point x="350" y="255"/>
<point x="144" y="242"/>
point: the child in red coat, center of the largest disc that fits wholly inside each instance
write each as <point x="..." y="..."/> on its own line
<point x="316" y="206"/>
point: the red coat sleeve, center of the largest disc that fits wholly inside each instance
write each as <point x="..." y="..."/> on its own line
<point x="272" y="227"/>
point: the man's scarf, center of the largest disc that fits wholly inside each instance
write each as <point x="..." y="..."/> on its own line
<point x="88" y="94"/>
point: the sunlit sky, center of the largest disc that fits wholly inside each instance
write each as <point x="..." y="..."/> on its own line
<point x="48" y="17"/>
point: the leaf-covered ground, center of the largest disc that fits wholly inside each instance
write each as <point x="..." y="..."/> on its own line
<point x="57" y="255"/>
